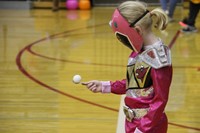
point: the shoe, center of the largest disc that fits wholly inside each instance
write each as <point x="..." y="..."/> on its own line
<point x="167" y="12"/>
<point x="189" y="29"/>
<point x="170" y="19"/>
<point x="184" y="23"/>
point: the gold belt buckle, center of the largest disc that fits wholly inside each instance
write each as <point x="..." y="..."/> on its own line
<point x="134" y="113"/>
<point x="130" y="114"/>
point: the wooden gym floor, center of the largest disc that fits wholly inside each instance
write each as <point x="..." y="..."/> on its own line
<point x="41" y="50"/>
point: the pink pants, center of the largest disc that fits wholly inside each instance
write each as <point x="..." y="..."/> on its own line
<point x="161" y="127"/>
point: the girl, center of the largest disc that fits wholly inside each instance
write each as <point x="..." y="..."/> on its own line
<point x="149" y="69"/>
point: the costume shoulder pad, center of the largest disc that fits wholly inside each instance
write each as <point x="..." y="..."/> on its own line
<point x="157" y="57"/>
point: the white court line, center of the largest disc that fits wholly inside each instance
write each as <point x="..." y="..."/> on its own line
<point x="121" y="117"/>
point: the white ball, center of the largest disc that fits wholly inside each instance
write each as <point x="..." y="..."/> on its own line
<point x="77" y="79"/>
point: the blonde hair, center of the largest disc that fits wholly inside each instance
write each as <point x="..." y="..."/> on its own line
<point x="132" y="10"/>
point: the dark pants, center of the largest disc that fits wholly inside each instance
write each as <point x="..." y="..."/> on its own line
<point x="193" y="13"/>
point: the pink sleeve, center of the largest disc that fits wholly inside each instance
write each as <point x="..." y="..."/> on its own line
<point x="161" y="82"/>
<point x="118" y="87"/>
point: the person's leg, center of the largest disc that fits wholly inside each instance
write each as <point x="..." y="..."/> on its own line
<point x="193" y="12"/>
<point x="172" y="6"/>
<point x="163" y="4"/>
<point x="162" y="125"/>
<point x="55" y="5"/>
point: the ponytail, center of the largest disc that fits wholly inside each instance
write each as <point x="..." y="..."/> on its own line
<point x="161" y="18"/>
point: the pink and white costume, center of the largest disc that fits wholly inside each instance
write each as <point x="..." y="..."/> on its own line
<point x="146" y="86"/>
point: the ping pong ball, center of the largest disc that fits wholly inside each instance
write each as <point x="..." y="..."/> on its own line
<point x="77" y="79"/>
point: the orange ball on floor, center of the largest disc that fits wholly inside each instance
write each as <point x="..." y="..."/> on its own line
<point x="84" y="4"/>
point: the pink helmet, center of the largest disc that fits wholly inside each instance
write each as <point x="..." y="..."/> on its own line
<point x="124" y="31"/>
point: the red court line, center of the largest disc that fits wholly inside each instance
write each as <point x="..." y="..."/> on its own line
<point x="183" y="126"/>
<point x="171" y="44"/>
<point x="22" y="69"/>
<point x="174" y="39"/>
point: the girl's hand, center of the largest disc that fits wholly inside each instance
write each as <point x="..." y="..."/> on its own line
<point x="93" y="85"/>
